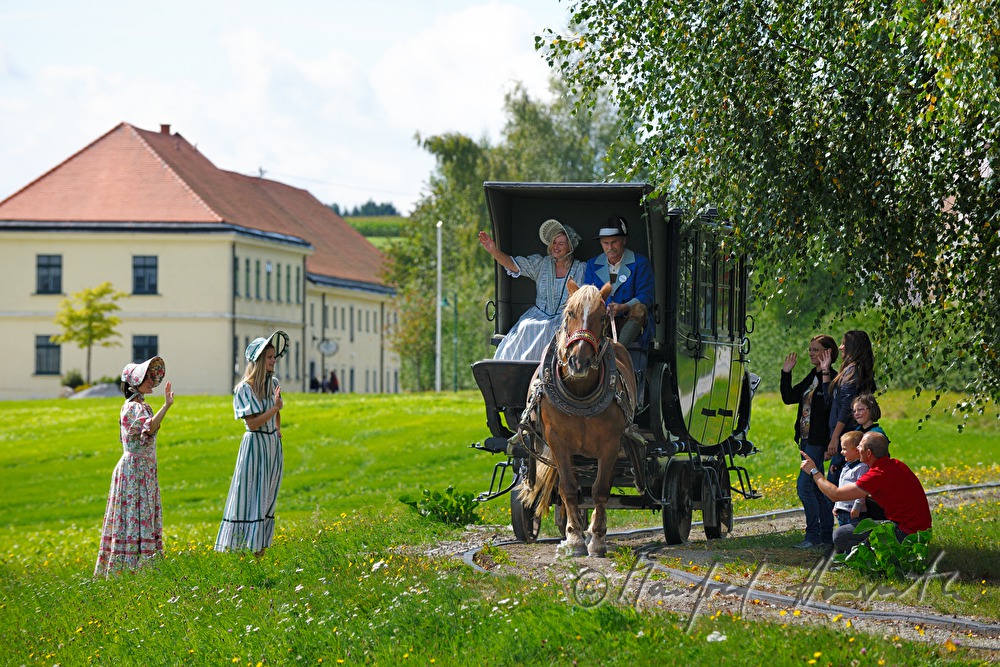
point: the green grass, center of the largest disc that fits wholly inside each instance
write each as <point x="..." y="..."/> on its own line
<point x="346" y="579"/>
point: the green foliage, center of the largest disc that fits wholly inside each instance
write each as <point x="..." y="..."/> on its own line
<point x="883" y="554"/>
<point x="378" y="226"/>
<point x="73" y="378"/>
<point x="540" y="142"/>
<point x="87" y="319"/>
<point x="855" y="139"/>
<point x="456" y="509"/>
<point x="369" y="208"/>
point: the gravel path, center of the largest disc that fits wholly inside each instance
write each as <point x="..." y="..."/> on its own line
<point x="703" y="578"/>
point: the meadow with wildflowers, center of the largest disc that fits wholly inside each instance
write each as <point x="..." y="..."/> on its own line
<point x="347" y="582"/>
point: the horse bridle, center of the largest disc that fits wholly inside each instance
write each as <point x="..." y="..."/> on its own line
<point x="587" y="336"/>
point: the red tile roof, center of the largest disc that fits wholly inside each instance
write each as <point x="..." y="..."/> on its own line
<point x="138" y="176"/>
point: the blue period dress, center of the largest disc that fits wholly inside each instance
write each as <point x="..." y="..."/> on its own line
<point x="248" y="519"/>
<point x="133" y="518"/>
<point x="529" y="337"/>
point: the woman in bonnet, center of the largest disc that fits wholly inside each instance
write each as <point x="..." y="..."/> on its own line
<point x="133" y="520"/>
<point x="248" y="519"/>
<point x="533" y="332"/>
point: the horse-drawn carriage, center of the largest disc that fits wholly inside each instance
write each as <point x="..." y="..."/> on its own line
<point x="692" y="408"/>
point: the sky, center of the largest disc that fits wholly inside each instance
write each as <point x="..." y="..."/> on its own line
<point x="324" y="95"/>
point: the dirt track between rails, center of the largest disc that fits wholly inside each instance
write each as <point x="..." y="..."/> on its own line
<point x="752" y="580"/>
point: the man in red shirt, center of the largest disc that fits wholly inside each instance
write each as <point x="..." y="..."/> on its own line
<point x="889" y="481"/>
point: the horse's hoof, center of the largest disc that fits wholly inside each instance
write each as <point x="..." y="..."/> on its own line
<point x="598" y="553"/>
<point x="597" y="548"/>
<point x="567" y="548"/>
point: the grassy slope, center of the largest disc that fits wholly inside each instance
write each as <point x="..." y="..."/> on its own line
<point x="320" y="592"/>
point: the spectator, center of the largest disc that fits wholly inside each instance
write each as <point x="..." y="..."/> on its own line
<point x="889" y="481"/>
<point x="812" y="434"/>
<point x="850" y="511"/>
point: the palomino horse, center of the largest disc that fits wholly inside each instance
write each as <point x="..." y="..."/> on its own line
<point x="584" y="393"/>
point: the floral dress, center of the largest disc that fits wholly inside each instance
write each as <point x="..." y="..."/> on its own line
<point x="133" y="519"/>
<point x="248" y="519"/>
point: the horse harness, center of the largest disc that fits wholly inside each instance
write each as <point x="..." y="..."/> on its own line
<point x="548" y="382"/>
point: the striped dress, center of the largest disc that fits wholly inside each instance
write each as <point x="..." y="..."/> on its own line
<point x="248" y="520"/>
<point x="133" y="519"/>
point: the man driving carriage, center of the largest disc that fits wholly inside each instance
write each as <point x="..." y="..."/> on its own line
<point x="631" y="279"/>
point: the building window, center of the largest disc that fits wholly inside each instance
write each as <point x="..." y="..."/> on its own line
<point x="48" y="275"/>
<point x="298" y="284"/>
<point x="46" y="356"/>
<point x="334" y="311"/>
<point x="288" y="283"/>
<point x="278" y="275"/>
<point x="236" y="276"/>
<point x="246" y="287"/>
<point x="326" y="316"/>
<point x="144" y="347"/>
<point x="257" y="286"/>
<point x="267" y="279"/>
<point x="144" y="274"/>
<point x="312" y="314"/>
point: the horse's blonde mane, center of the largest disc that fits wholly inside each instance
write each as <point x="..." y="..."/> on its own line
<point x="584" y="300"/>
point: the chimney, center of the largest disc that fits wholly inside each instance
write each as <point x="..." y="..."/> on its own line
<point x="165" y="128"/>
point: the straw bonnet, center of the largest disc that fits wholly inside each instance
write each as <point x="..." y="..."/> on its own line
<point x="552" y="228"/>
<point x="278" y="340"/>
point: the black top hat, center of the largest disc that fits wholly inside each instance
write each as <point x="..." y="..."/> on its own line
<point x="613" y="226"/>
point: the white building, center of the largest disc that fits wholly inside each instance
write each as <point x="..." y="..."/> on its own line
<point x="210" y="259"/>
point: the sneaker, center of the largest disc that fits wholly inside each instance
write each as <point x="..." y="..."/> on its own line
<point x="806" y="544"/>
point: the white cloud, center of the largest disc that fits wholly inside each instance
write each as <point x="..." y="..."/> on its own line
<point x="324" y="96"/>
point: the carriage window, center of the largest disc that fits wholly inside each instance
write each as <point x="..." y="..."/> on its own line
<point x="685" y="300"/>
<point x="706" y="288"/>
<point x="723" y="295"/>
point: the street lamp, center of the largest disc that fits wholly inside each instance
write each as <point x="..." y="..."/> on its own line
<point x="437" y="347"/>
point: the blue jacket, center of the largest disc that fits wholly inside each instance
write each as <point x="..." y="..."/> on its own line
<point x="634" y="285"/>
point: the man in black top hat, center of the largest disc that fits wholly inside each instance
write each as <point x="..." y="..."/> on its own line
<point x="631" y="279"/>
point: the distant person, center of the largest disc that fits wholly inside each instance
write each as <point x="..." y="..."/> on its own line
<point x="133" y="519"/>
<point x="631" y="278"/>
<point x="889" y="481"/>
<point x="314" y="385"/>
<point x="850" y="511"/>
<point x="533" y="332"/>
<point x="856" y="376"/>
<point x="248" y="518"/>
<point x="812" y="434"/>
<point x="333" y="385"/>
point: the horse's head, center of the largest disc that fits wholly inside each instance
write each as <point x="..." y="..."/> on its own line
<point x="582" y="329"/>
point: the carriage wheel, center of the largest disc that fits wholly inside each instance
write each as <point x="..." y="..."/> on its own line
<point x="677" y="510"/>
<point x="523" y="519"/>
<point x="719" y="522"/>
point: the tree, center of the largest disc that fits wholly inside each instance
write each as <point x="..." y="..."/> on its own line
<point x="93" y="322"/>
<point x="860" y="138"/>
<point x="540" y="142"/>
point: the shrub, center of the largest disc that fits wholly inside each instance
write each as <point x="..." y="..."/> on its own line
<point x="457" y="509"/>
<point x="73" y="378"/>
<point x="882" y="553"/>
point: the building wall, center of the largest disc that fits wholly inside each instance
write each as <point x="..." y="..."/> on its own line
<point x="201" y="314"/>
<point x="359" y="323"/>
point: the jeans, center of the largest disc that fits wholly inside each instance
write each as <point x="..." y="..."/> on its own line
<point x="818" y="508"/>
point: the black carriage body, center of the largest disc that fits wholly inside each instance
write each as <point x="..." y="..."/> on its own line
<point x="694" y="371"/>
<point x="695" y="394"/>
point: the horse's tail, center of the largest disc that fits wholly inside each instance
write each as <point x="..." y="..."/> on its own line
<point x="538" y="494"/>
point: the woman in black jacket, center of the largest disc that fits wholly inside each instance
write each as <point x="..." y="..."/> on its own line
<point x="812" y="433"/>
